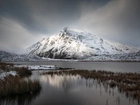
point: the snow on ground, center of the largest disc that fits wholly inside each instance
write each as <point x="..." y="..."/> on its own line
<point x="51" y="59"/>
<point x="38" y="67"/>
<point x="5" y="74"/>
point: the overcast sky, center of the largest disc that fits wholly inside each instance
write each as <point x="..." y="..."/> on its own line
<point x="24" y="22"/>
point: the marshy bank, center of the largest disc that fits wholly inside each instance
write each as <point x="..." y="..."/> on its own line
<point x="127" y="83"/>
<point x="75" y="87"/>
<point x="12" y="82"/>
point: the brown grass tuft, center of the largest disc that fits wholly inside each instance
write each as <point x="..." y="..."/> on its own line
<point x="16" y="86"/>
<point x="22" y="72"/>
<point x="11" y="85"/>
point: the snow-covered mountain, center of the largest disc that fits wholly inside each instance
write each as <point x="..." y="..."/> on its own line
<point x="71" y="43"/>
<point x="12" y="57"/>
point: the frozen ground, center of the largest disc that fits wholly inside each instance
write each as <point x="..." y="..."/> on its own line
<point x="5" y="74"/>
<point x="38" y="67"/>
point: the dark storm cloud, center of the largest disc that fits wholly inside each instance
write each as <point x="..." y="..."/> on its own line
<point x="41" y="15"/>
<point x="30" y="20"/>
<point x="50" y="15"/>
<point x="15" y="9"/>
<point x="45" y="15"/>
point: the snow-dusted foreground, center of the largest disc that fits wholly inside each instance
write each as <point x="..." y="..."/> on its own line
<point x="38" y="67"/>
<point x="5" y="74"/>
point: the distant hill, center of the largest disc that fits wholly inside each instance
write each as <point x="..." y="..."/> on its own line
<point x="7" y="57"/>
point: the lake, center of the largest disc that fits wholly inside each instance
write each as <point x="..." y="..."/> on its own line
<point x="70" y="90"/>
<point x="73" y="89"/>
<point x="109" y="66"/>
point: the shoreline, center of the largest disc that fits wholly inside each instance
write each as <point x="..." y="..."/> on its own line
<point x="70" y="61"/>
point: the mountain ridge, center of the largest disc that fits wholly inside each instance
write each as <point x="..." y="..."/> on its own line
<point x="13" y="57"/>
<point x="73" y="44"/>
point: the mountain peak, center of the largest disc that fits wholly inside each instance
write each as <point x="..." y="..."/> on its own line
<point x="72" y="43"/>
<point x="69" y="29"/>
<point x="76" y="34"/>
<point x="65" y="29"/>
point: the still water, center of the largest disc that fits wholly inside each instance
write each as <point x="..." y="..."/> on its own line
<point x="110" y="66"/>
<point x="70" y="90"/>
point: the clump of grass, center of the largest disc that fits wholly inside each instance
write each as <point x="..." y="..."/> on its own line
<point x="5" y="66"/>
<point x="128" y="83"/>
<point x="112" y="84"/>
<point x="16" y="86"/>
<point x="25" y="99"/>
<point x="21" y="71"/>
